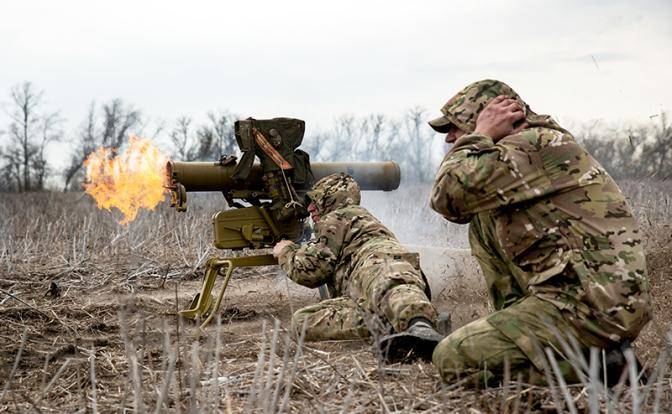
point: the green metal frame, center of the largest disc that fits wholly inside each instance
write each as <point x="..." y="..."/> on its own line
<point x="204" y="304"/>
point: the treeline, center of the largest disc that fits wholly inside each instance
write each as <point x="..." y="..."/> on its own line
<point x="373" y="137"/>
<point x="23" y="163"/>
<point x="637" y="152"/>
<point x="33" y="130"/>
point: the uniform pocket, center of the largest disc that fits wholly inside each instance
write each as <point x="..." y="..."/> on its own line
<point x="541" y="252"/>
<point x="515" y="232"/>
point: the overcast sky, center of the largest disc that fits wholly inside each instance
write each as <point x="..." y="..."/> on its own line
<point x="579" y="60"/>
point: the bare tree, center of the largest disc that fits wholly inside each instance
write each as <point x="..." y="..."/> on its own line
<point x="181" y="138"/>
<point x="25" y="101"/>
<point x="314" y="145"/>
<point x="415" y="151"/>
<point x="345" y="139"/>
<point x="50" y="131"/>
<point x="638" y="151"/>
<point x="206" y="144"/>
<point x="11" y="169"/>
<point x="657" y="151"/>
<point x="119" y="120"/>
<point x="221" y="126"/>
<point x="86" y="143"/>
<point x="211" y="140"/>
<point x="379" y="135"/>
<point x="30" y="132"/>
<point x="368" y="138"/>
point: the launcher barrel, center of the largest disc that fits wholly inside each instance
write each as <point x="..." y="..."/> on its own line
<point x="212" y="176"/>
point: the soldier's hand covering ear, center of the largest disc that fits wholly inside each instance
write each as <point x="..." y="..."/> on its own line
<point x="279" y="246"/>
<point x="501" y="117"/>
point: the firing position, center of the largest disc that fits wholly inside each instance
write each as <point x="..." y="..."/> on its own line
<point x="372" y="280"/>
<point x="554" y="235"/>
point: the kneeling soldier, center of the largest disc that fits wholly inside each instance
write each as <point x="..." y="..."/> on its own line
<point x="552" y="232"/>
<point x="368" y="274"/>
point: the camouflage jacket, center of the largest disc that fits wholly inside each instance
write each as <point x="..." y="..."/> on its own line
<point x="548" y="210"/>
<point x="346" y="235"/>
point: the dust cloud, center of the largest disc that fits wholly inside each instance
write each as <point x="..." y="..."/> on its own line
<point x="406" y="212"/>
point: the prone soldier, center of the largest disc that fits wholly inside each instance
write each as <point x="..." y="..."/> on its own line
<point x="554" y="235"/>
<point x="369" y="275"/>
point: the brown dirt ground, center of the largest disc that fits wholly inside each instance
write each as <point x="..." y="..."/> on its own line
<point x="81" y="320"/>
<point x="128" y="324"/>
<point x="654" y="335"/>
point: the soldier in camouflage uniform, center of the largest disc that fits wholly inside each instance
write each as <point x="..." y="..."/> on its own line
<point x="551" y="230"/>
<point x="368" y="274"/>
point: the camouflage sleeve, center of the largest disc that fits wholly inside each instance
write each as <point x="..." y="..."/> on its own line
<point x="312" y="264"/>
<point x="477" y="175"/>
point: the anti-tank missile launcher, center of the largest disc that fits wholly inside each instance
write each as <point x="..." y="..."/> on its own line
<point x="265" y="192"/>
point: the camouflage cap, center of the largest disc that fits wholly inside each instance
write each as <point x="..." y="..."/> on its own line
<point x="463" y="109"/>
<point x="333" y="192"/>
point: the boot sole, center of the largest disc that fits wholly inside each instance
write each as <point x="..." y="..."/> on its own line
<point x="404" y="347"/>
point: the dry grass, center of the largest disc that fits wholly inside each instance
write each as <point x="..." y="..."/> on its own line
<point x="104" y="336"/>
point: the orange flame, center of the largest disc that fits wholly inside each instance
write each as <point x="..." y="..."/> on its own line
<point x="127" y="181"/>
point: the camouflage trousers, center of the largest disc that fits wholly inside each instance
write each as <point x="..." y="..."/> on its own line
<point x="515" y="336"/>
<point x="381" y="288"/>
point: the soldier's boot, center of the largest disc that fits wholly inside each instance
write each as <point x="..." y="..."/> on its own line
<point x="617" y="363"/>
<point x="417" y="341"/>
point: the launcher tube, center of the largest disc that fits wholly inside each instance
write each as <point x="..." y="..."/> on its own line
<point x="210" y="176"/>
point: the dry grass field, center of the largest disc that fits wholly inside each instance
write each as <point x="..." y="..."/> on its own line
<point x="88" y="322"/>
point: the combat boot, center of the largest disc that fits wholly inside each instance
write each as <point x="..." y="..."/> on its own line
<point x="616" y="363"/>
<point x="417" y="341"/>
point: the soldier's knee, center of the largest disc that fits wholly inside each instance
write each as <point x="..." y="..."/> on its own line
<point x="448" y="359"/>
<point x="461" y="354"/>
<point x="455" y="365"/>
<point x="300" y="321"/>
